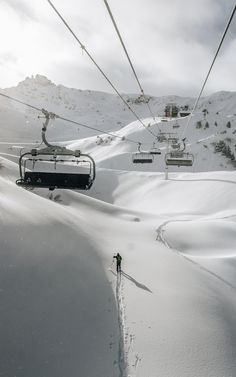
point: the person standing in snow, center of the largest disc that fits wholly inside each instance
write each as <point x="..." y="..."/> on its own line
<point x="118" y="258"/>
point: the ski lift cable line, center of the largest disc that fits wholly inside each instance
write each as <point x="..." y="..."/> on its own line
<point x="96" y="129"/>
<point x="127" y="54"/>
<point x="69" y="120"/>
<point x="99" y="68"/>
<point x="210" y="69"/>
<point x="123" y="45"/>
<point x="21" y="102"/>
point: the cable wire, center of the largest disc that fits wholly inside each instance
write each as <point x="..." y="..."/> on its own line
<point x="69" y="120"/>
<point x="211" y="66"/>
<point x="96" y="129"/>
<point x="127" y="55"/>
<point x="99" y="68"/>
<point x="123" y="45"/>
<point x="23" y="103"/>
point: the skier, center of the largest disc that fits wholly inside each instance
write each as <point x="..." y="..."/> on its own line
<point x="118" y="258"/>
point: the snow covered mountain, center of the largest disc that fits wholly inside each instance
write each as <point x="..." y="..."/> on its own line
<point x="64" y="309"/>
<point x="213" y="122"/>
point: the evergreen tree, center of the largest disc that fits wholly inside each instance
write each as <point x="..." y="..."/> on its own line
<point x="199" y="124"/>
<point x="205" y="112"/>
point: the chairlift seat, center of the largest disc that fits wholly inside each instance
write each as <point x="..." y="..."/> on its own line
<point x="56" y="180"/>
<point x="161" y="138"/>
<point x="63" y="176"/>
<point x="142" y="158"/>
<point x="179" y="159"/>
<point x="178" y="162"/>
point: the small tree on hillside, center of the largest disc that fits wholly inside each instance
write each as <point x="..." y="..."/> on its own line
<point x="219" y="146"/>
<point x="205" y="112"/>
<point x="224" y="150"/>
<point x="199" y="124"/>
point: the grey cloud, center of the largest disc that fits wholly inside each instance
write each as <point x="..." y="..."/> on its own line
<point x="171" y="43"/>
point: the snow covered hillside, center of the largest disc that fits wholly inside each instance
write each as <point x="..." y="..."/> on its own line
<point x="64" y="309"/>
<point x="214" y="122"/>
<point x="172" y="310"/>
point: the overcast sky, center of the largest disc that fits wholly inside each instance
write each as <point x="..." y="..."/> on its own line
<point x="171" y="44"/>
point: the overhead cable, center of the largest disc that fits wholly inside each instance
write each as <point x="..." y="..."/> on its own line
<point x="19" y="101"/>
<point x="123" y="45"/>
<point x="96" y="129"/>
<point x="211" y="66"/>
<point x="99" y="68"/>
<point x="127" y="55"/>
<point x="69" y="120"/>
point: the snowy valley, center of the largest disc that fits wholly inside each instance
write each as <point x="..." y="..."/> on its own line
<point x="172" y="310"/>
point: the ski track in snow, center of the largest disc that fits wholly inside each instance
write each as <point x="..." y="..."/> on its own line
<point x="122" y="353"/>
<point x="160" y="237"/>
<point x="125" y="339"/>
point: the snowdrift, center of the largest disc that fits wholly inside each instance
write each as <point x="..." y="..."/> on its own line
<point x="59" y="313"/>
<point x="66" y="312"/>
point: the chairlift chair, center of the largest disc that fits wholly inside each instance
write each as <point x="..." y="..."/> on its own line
<point x="62" y="169"/>
<point x="142" y="158"/>
<point x="55" y="166"/>
<point x="161" y="137"/>
<point x="179" y="158"/>
<point x="155" y="150"/>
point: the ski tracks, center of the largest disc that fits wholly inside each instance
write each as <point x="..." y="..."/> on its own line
<point x="160" y="237"/>
<point x="122" y="355"/>
<point x="125" y="339"/>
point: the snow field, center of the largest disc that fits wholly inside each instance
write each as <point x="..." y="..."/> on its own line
<point x="172" y="310"/>
<point x="171" y="316"/>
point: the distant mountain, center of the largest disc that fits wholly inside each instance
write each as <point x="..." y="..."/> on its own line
<point x="215" y="117"/>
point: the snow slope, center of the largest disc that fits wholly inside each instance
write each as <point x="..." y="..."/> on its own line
<point x="172" y="311"/>
<point x="108" y="113"/>
<point x="67" y="312"/>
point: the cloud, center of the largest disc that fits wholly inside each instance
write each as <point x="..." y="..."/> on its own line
<point x="171" y="44"/>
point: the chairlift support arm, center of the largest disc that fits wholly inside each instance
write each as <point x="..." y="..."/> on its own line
<point x="47" y="115"/>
